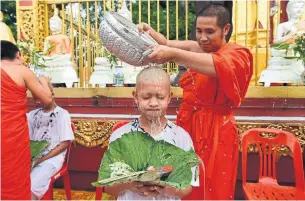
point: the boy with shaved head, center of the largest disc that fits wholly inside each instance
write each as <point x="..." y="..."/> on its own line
<point x="152" y="96"/>
<point x="53" y="124"/>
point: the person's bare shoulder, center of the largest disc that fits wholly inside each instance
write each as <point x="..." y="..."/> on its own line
<point x="27" y="74"/>
<point x="25" y="71"/>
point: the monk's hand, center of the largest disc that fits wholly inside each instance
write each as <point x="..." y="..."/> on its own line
<point x="158" y="37"/>
<point x="168" y="190"/>
<point x="143" y="27"/>
<point x="161" y="54"/>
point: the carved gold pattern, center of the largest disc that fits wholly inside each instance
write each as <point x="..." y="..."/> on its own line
<point x="36" y="22"/>
<point x="25" y="24"/>
<point x="40" y="25"/>
<point x="92" y="133"/>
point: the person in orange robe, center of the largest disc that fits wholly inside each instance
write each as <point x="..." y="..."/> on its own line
<point x="216" y="82"/>
<point x="15" y="142"/>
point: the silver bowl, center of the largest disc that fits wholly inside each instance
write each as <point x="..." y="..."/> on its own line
<point x="122" y="38"/>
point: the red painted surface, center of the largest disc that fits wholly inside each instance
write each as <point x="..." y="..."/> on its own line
<point x="26" y="2"/>
<point x="250" y="107"/>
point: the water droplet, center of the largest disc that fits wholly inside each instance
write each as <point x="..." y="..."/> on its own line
<point x="210" y="189"/>
<point x="223" y="172"/>
<point x="225" y="155"/>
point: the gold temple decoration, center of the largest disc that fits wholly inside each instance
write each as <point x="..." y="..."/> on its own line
<point x="92" y="133"/>
<point x="25" y="23"/>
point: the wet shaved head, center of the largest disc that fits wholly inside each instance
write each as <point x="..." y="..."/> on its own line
<point x="152" y="94"/>
<point x="153" y="75"/>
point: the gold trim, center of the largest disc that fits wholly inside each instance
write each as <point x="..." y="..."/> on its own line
<point x="126" y="92"/>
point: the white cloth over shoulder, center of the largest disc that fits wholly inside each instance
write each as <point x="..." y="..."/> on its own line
<point x="172" y="134"/>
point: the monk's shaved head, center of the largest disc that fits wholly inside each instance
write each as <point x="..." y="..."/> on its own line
<point x="154" y="75"/>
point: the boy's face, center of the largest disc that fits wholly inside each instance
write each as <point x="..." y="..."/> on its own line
<point x="152" y="98"/>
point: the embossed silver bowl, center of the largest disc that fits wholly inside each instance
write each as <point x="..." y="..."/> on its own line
<point x="122" y="38"/>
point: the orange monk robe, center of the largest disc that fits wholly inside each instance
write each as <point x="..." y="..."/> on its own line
<point x="206" y="113"/>
<point x="15" y="142"/>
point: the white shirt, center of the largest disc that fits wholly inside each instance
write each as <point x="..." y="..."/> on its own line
<point x="172" y="134"/>
<point x="54" y="127"/>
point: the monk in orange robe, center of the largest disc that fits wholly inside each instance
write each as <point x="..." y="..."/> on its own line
<point x="15" y="141"/>
<point x="216" y="82"/>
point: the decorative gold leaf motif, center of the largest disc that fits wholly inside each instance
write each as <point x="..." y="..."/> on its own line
<point x="92" y="133"/>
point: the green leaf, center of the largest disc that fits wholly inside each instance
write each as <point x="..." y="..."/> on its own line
<point x="300" y="48"/>
<point x="281" y="46"/>
<point x="139" y="151"/>
<point x="37" y="147"/>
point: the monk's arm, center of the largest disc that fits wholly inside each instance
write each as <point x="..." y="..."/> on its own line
<point x="199" y="62"/>
<point x="39" y="88"/>
<point x="188" y="45"/>
<point x="54" y="152"/>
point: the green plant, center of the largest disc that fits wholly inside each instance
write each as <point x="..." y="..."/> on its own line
<point x="9" y="13"/>
<point x="281" y="46"/>
<point x="163" y="17"/>
<point x="113" y="60"/>
<point x="28" y="49"/>
<point x="299" y="48"/>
